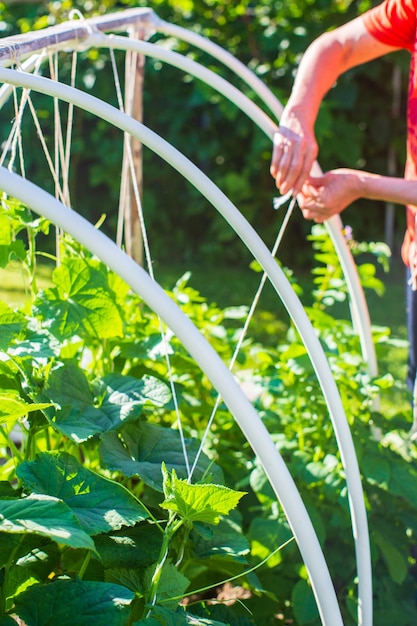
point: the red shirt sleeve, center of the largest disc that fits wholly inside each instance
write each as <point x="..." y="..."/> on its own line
<point x="393" y="22"/>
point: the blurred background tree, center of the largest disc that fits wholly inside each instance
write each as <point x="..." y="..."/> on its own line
<point x="361" y="123"/>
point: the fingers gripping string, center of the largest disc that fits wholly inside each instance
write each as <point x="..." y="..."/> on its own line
<point x="276" y="203"/>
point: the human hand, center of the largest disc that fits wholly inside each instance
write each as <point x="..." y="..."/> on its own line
<point x="295" y="150"/>
<point x="327" y="195"/>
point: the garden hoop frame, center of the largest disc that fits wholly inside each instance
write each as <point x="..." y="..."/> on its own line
<point x="19" y="190"/>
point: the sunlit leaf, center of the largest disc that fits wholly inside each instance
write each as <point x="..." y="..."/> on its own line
<point x="135" y="547"/>
<point x="46" y="516"/>
<point x="115" y="399"/>
<point x="12" y="407"/>
<point x="198" y="503"/>
<point x="66" y="602"/>
<point x="98" y="503"/>
<point x="81" y="302"/>
<point x="11" y="324"/>
<point x="141" y="448"/>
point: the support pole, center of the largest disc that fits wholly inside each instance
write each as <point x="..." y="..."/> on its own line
<point x="301" y="321"/>
<point x="132" y="153"/>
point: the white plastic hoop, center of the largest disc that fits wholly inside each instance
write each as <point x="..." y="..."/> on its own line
<point x="245" y="415"/>
<point x="284" y="290"/>
<point x="359" y="308"/>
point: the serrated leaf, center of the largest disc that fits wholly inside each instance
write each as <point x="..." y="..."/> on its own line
<point x="130" y="578"/>
<point x="46" y="516"/>
<point x="70" y="602"/>
<point x="81" y="303"/>
<point x="136" y="547"/>
<point x="226" y="541"/>
<point x="98" y="503"/>
<point x="116" y="399"/>
<point x="198" y="503"/>
<point x="12" y="407"/>
<point x="141" y="448"/>
<point x="37" y="345"/>
<point x="11" y="324"/>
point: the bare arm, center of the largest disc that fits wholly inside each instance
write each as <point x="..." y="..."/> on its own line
<point x="329" y="56"/>
<point x="327" y="195"/>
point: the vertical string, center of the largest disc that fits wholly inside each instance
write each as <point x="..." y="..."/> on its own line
<point x="15" y="134"/>
<point x="149" y="263"/>
<point x="248" y="320"/>
<point x="68" y="137"/>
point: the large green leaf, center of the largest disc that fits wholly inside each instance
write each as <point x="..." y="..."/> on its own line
<point x="81" y="303"/>
<point x="75" y="602"/>
<point x="143" y="447"/>
<point x="130" y="548"/>
<point x="39" y="555"/>
<point x="376" y="468"/>
<point x="11" y="324"/>
<point x="198" y="503"/>
<point x="266" y="536"/>
<point x="99" y="504"/>
<point x="46" y="516"/>
<point x="10" y="247"/>
<point x="226" y="540"/>
<point x="8" y="545"/>
<point x="12" y="407"/>
<point x="114" y="400"/>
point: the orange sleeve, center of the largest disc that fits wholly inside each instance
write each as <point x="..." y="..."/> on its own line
<point x="393" y="22"/>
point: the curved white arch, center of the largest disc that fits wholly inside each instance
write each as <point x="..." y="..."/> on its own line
<point x="252" y="426"/>
<point x="277" y="278"/>
<point x="359" y="308"/>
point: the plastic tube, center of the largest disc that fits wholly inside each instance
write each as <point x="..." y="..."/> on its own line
<point x="277" y="278"/>
<point x="210" y="363"/>
<point x="359" y="308"/>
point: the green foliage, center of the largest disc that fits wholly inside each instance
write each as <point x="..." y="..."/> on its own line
<point x="97" y="514"/>
<point x="353" y="129"/>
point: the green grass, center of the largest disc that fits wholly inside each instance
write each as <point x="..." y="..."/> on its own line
<point x="15" y="285"/>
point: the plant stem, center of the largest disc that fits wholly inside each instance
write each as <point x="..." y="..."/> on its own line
<point x="170" y="530"/>
<point x="84" y="565"/>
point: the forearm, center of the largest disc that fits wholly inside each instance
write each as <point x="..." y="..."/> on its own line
<point x="324" y="196"/>
<point x="318" y="71"/>
<point x="388" y="189"/>
<point x="295" y="146"/>
<point x="327" y="58"/>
